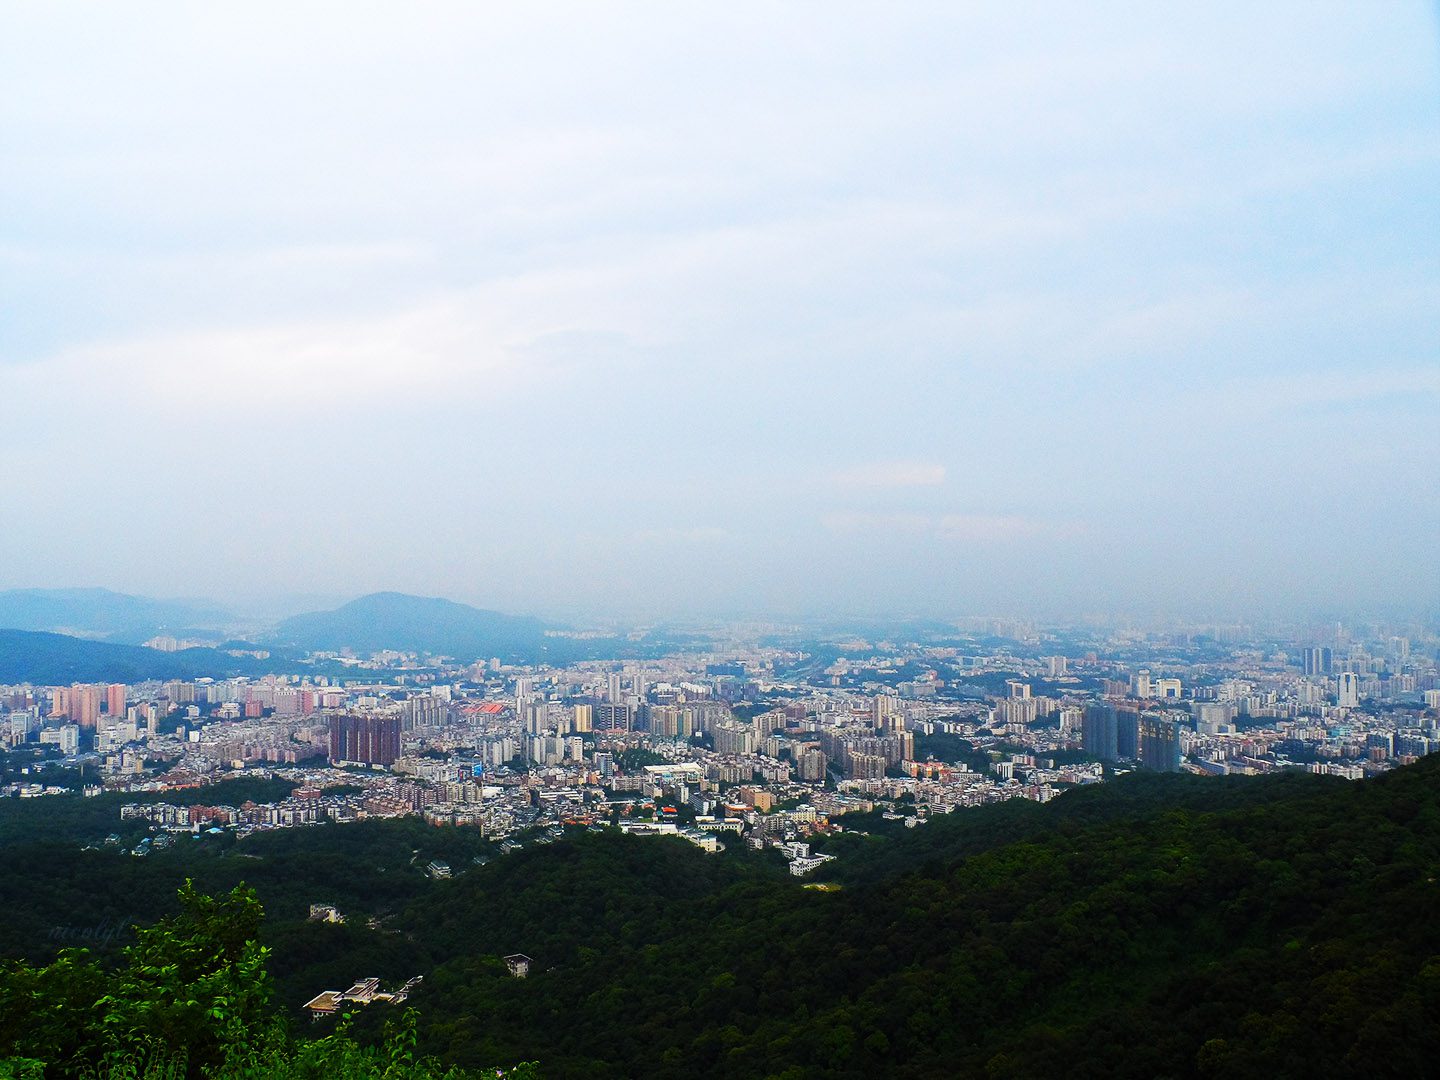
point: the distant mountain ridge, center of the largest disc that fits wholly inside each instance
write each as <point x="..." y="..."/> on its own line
<point x="105" y="614"/>
<point x="421" y="624"/>
<point x="46" y="659"/>
<point x="378" y="622"/>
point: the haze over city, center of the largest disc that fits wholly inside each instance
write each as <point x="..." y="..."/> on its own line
<point x="805" y="541"/>
<point x="682" y="311"/>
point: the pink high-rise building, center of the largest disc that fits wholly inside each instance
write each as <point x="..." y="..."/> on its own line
<point x="84" y="705"/>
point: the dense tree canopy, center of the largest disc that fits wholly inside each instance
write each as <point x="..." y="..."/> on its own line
<point x="1156" y="925"/>
<point x="189" y="1000"/>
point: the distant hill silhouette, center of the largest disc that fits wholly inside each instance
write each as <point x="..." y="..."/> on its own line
<point x="391" y="620"/>
<point x="102" y="613"/>
<point x="56" y="659"/>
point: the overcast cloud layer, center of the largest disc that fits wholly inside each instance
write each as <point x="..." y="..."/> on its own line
<point x="673" y="308"/>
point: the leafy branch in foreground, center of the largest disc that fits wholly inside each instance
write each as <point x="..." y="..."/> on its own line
<point x="190" y="1001"/>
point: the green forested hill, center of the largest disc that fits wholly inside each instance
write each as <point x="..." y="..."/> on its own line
<point x="58" y="659"/>
<point x="1163" y="927"/>
<point x="1153" y="926"/>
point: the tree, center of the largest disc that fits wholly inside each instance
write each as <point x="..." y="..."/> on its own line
<point x="190" y="986"/>
<point x="195" y="980"/>
<point x="190" y="1001"/>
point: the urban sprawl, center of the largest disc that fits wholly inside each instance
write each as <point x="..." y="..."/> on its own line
<point x="768" y="744"/>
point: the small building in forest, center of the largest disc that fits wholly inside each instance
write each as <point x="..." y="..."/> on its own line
<point x="330" y="1002"/>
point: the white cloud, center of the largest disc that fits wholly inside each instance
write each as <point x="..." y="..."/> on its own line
<point x="297" y="367"/>
<point x="457" y="346"/>
<point x="971" y="269"/>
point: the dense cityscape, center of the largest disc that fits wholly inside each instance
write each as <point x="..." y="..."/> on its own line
<point x="772" y="743"/>
<point x="720" y="542"/>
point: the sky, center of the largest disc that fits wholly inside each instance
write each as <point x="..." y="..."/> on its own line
<point x="668" y="309"/>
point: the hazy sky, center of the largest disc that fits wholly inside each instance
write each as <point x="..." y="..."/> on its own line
<point x="669" y="308"/>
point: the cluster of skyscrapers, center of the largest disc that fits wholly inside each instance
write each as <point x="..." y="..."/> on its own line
<point x="1128" y="733"/>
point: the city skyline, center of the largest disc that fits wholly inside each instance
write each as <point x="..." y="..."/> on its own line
<point x="810" y="541"/>
<point x="747" y="312"/>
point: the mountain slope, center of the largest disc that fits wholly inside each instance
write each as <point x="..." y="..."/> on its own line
<point x="1276" y="927"/>
<point x="1155" y="926"/>
<point x="390" y="620"/>
<point x="57" y="659"/>
<point x="104" y="613"/>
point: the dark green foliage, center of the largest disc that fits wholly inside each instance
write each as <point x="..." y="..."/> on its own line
<point x="56" y="896"/>
<point x="189" y="1001"/>
<point x="1159" y="925"/>
<point x="635" y="759"/>
<point x="190" y="985"/>
<point x="1156" y="925"/>
<point x="69" y="818"/>
<point x="750" y="710"/>
<point x="954" y="749"/>
<point x="340" y="1057"/>
<point x="235" y="791"/>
